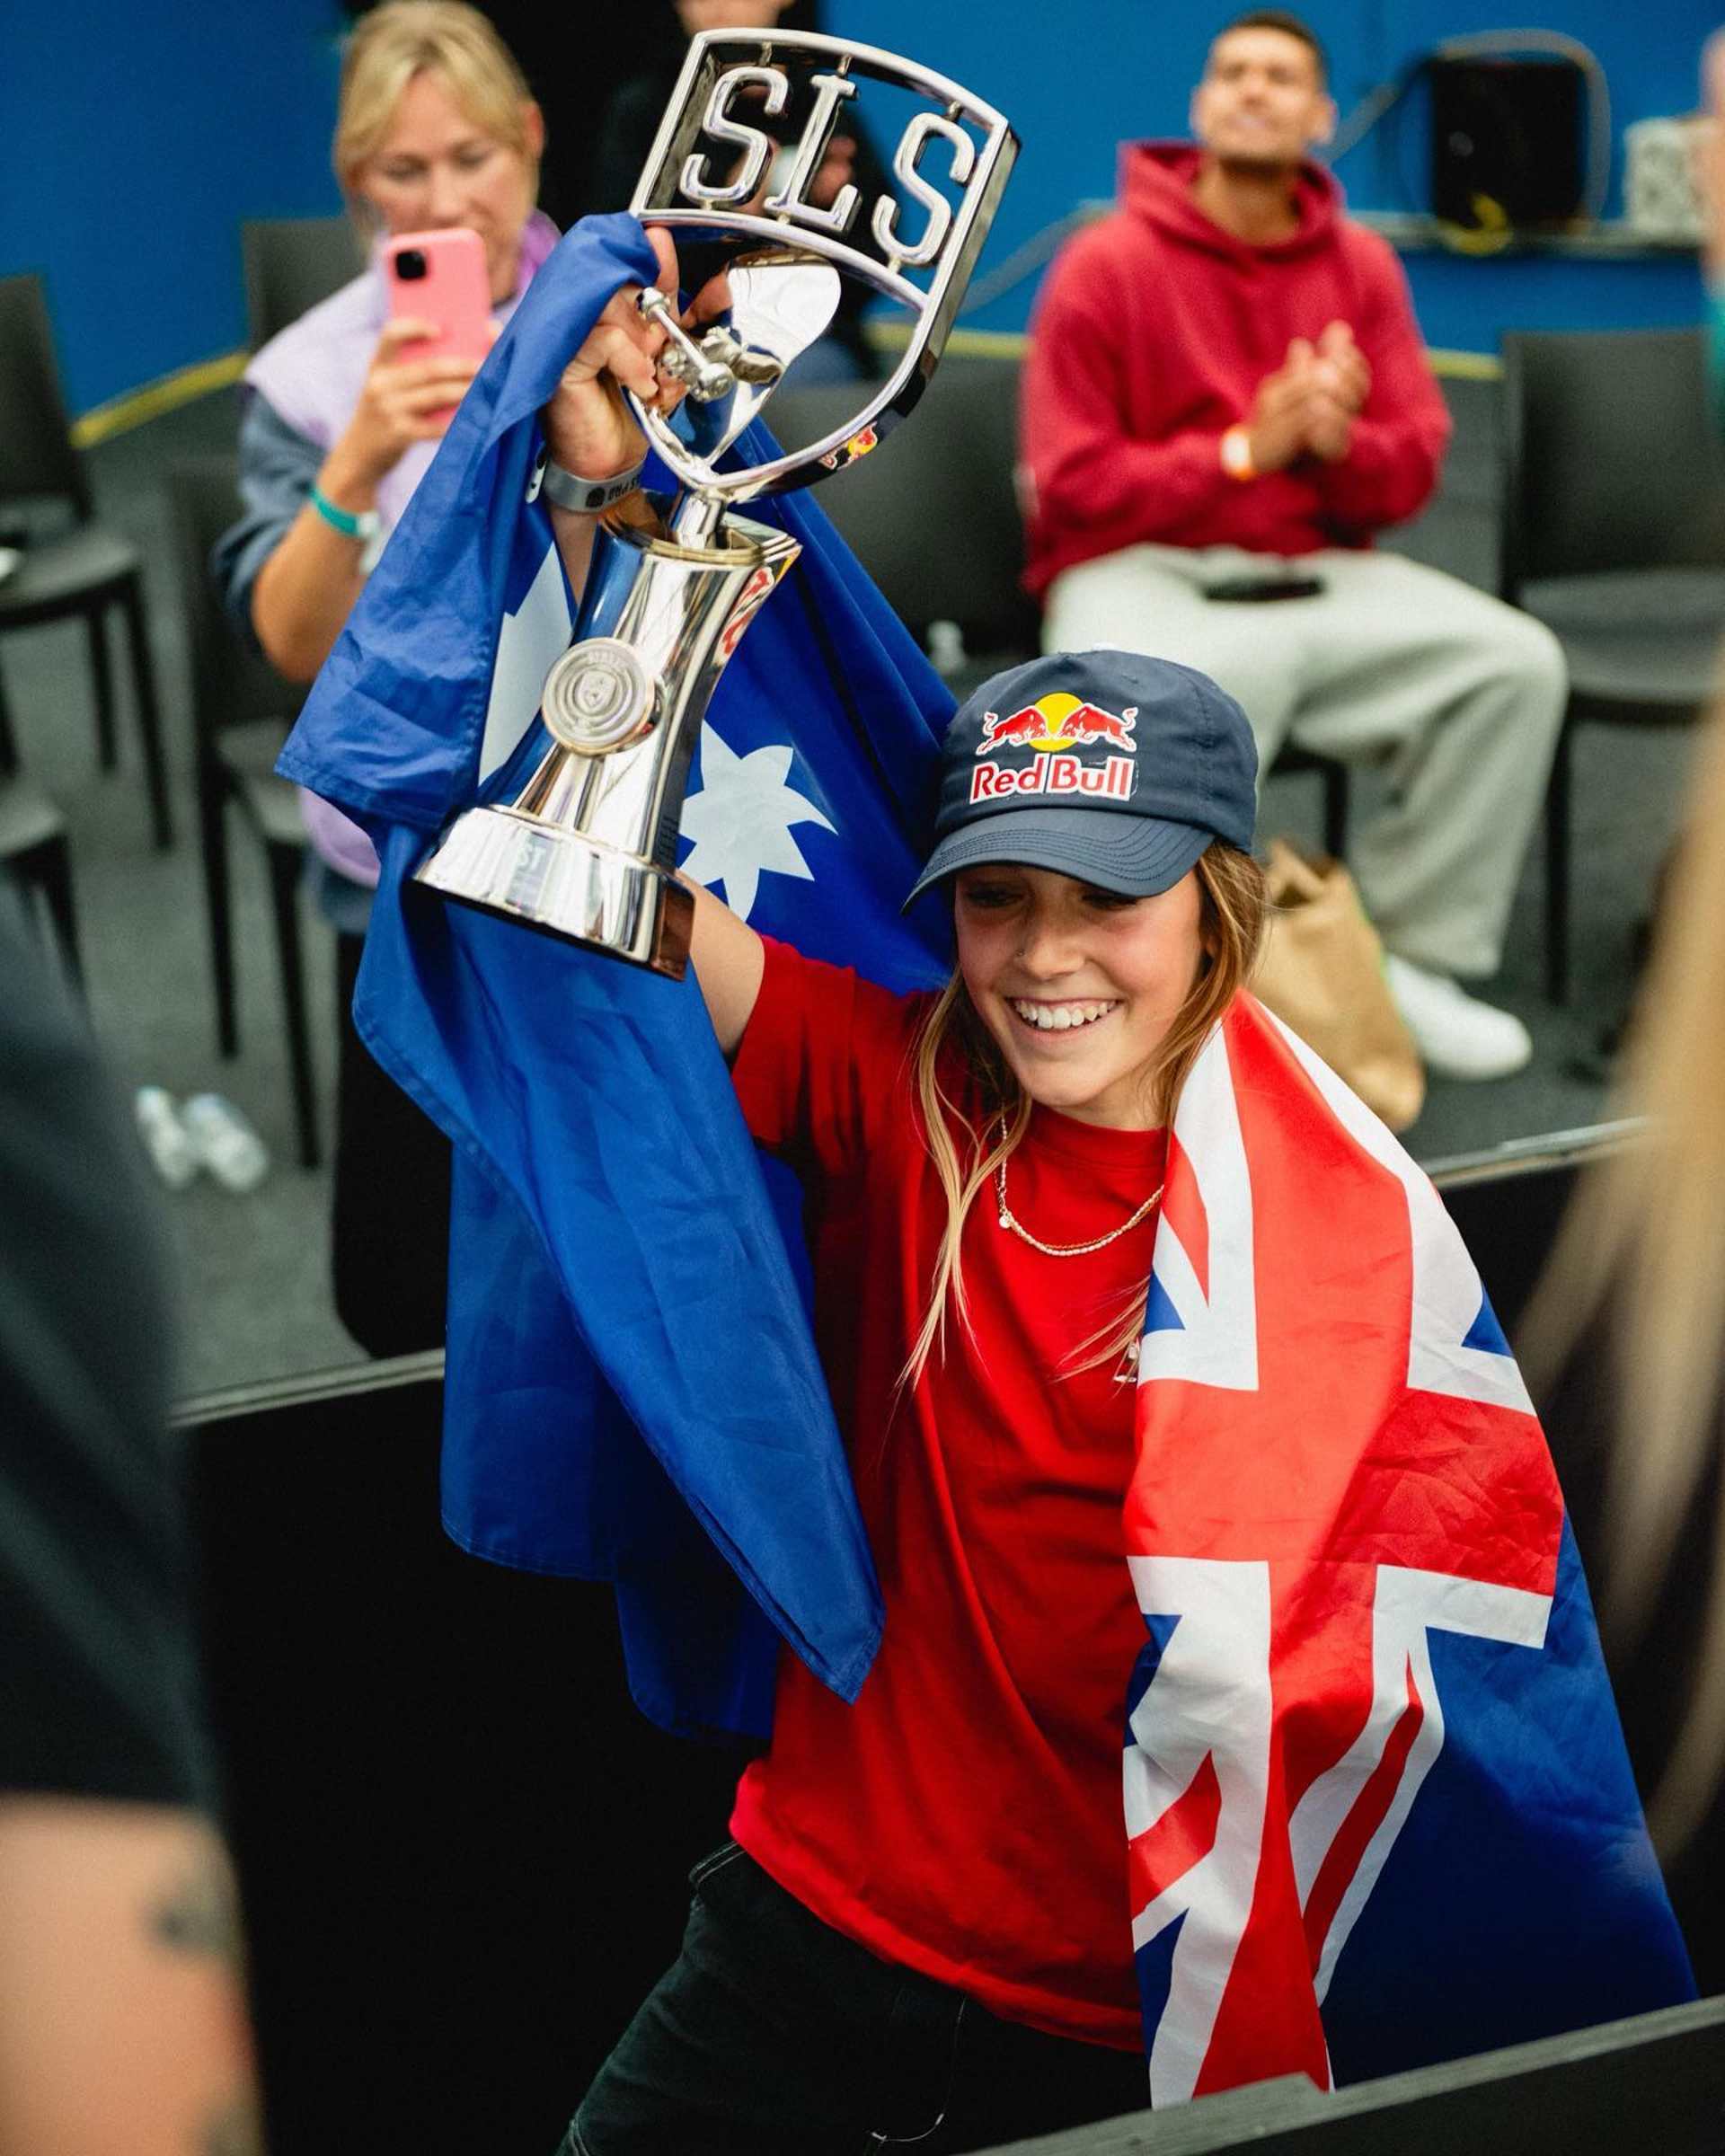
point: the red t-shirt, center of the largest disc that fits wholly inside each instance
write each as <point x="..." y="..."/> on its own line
<point x="964" y="1816"/>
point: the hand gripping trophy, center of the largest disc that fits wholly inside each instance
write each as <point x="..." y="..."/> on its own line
<point x="587" y="849"/>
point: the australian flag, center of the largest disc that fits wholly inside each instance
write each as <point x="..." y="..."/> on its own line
<point x="632" y="1392"/>
<point x="1377" y="1799"/>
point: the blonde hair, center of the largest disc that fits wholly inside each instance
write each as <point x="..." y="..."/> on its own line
<point x="1232" y="912"/>
<point x="405" y="38"/>
<point x="1642" y="1234"/>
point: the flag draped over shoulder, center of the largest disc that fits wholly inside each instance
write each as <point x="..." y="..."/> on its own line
<point x="1379" y="1807"/>
<point x="632" y="1392"/>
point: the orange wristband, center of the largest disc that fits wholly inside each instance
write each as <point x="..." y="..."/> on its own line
<point x="1236" y="454"/>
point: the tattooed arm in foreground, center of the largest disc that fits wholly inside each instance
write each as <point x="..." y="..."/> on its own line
<point x="123" y="2029"/>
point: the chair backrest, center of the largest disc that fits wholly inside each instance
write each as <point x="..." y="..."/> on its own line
<point x="933" y="516"/>
<point x="290" y="264"/>
<point x="36" y="453"/>
<point x="232" y="684"/>
<point x="1610" y="456"/>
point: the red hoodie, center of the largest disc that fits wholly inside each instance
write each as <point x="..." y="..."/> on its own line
<point x="1152" y="334"/>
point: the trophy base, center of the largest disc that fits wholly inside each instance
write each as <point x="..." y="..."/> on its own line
<point x="564" y="884"/>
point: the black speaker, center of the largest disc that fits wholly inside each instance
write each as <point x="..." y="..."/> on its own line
<point x="1506" y="142"/>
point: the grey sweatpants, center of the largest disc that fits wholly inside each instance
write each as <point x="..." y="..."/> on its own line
<point x="1455" y="695"/>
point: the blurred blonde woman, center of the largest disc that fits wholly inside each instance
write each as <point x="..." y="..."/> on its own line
<point x="1639" y="1274"/>
<point x="435" y="128"/>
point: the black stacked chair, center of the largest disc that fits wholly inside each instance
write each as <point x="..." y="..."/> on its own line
<point x="80" y="572"/>
<point x="934" y="520"/>
<point x="932" y="516"/>
<point x="240" y="713"/>
<point x="1614" y="536"/>
<point x="35" y="848"/>
<point x="290" y="264"/>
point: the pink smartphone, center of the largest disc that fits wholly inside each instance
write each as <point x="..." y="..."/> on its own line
<point x="440" y="277"/>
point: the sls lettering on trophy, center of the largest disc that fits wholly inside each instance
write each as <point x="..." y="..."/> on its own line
<point x="763" y="90"/>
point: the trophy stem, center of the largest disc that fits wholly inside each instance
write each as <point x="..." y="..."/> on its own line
<point x="587" y="849"/>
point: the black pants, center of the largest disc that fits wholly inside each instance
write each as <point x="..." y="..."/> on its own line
<point x="774" y="2035"/>
<point x="390" y="1218"/>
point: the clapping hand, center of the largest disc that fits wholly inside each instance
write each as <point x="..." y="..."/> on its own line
<point x="1308" y="406"/>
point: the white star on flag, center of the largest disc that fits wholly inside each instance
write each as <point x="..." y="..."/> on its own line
<point x="529" y="642"/>
<point x="739" y="823"/>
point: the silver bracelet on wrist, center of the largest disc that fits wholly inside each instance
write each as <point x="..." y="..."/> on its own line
<point x="569" y="490"/>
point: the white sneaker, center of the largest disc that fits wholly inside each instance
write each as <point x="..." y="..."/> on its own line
<point x="171" y="1152"/>
<point x="226" y="1143"/>
<point x="1458" y="1035"/>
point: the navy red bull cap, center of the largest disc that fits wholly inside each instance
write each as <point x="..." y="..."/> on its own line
<point x="1111" y="766"/>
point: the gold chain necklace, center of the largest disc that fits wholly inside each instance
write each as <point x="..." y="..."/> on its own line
<point x="1009" y="1221"/>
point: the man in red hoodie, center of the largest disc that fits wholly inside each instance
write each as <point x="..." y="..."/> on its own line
<point x="1226" y="389"/>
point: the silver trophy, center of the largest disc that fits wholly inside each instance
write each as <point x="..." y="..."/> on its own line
<point x="587" y="849"/>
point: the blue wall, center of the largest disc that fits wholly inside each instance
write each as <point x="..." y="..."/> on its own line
<point x="133" y="139"/>
<point x="1077" y="79"/>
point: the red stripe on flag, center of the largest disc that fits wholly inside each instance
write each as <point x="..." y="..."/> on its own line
<point x="1365" y="1817"/>
<point x="1184" y="1835"/>
<point x="1182" y="1207"/>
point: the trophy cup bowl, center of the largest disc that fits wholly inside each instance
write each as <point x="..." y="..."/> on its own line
<point x="587" y="849"/>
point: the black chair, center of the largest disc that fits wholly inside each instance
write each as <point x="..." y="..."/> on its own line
<point x="290" y="264"/>
<point x="240" y="713"/>
<point x="934" y="520"/>
<point x="35" y="847"/>
<point x="1612" y="534"/>
<point x="932" y="516"/>
<point x="79" y="572"/>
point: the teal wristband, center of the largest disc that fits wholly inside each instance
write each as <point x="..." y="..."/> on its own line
<point x="362" y="526"/>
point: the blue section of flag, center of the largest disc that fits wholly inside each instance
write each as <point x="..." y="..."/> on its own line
<point x="1143" y="1670"/>
<point x="633" y="1389"/>
<point x="1485" y="1333"/>
<point x="1159" y="1312"/>
<point x="1564" y="1921"/>
<point x="1155" y="1962"/>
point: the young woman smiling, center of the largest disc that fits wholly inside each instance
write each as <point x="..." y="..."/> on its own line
<point x="984" y="1168"/>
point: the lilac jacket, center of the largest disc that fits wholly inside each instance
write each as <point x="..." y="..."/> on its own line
<point x="310" y="375"/>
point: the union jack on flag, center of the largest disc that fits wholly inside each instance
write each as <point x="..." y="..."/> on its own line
<point x="1377" y="1801"/>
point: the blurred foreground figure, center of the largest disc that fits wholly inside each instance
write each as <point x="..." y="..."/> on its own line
<point x="1633" y="1308"/>
<point x="1634" y="1301"/>
<point x="122" y="2022"/>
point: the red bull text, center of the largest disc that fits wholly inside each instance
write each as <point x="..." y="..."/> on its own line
<point x="1053" y="726"/>
<point x="1054" y="774"/>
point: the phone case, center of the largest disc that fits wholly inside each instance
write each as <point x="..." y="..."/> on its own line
<point x="441" y="275"/>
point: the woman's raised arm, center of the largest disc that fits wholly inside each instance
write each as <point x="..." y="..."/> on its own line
<point x="729" y="962"/>
<point x="589" y="430"/>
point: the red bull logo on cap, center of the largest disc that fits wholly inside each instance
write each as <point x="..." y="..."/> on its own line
<point x="1054" y="726"/>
